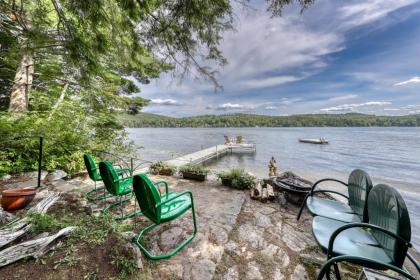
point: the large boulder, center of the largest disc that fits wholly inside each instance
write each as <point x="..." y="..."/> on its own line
<point x="5" y="178"/>
<point x="34" y="174"/>
<point x="56" y="175"/>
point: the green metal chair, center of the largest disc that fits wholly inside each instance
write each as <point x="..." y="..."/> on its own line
<point x="94" y="175"/>
<point x="359" y="185"/>
<point x="161" y="209"/>
<point x="117" y="186"/>
<point x="380" y="244"/>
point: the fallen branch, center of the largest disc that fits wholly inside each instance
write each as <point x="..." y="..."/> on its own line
<point x="33" y="248"/>
<point x="18" y="228"/>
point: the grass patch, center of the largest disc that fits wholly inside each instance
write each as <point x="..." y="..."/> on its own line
<point x="126" y="265"/>
<point x="91" y="229"/>
<point x="94" y="250"/>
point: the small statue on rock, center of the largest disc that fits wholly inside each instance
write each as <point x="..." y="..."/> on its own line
<point x="272" y="168"/>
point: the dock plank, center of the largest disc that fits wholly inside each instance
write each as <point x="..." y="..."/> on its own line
<point x="200" y="156"/>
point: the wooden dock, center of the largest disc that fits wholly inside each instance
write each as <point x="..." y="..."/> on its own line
<point x="211" y="153"/>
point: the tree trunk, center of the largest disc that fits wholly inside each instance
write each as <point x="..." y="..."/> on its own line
<point x="59" y="101"/>
<point x="19" y="96"/>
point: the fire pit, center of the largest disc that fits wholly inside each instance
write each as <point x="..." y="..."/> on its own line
<point x="294" y="187"/>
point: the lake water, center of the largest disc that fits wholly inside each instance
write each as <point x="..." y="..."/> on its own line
<point x="389" y="155"/>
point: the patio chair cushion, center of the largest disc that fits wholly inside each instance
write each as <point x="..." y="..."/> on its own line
<point x="174" y="208"/>
<point x="353" y="241"/>
<point x="331" y="209"/>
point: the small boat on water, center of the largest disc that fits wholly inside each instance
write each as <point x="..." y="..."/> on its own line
<point x="320" y="141"/>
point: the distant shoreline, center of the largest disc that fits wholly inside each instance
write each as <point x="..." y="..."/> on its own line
<point x="147" y="120"/>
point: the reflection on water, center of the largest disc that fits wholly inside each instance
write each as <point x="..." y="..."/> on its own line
<point x="389" y="155"/>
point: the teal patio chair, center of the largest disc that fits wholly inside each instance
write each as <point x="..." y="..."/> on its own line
<point x="359" y="185"/>
<point x="380" y="244"/>
<point x="161" y="209"/>
<point x="117" y="186"/>
<point x="94" y="175"/>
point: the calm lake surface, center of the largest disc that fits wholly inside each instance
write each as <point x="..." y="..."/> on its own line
<point x="389" y="155"/>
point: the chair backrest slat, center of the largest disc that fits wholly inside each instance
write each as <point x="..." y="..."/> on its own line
<point x="109" y="177"/>
<point x="91" y="167"/>
<point x="359" y="186"/>
<point x="387" y="209"/>
<point x="147" y="196"/>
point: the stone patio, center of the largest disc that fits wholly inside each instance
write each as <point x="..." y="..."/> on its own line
<point x="238" y="238"/>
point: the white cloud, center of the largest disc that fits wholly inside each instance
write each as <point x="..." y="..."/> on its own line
<point x="410" y="107"/>
<point x="166" y="102"/>
<point x="228" y="106"/>
<point x="413" y="80"/>
<point x="275" y="53"/>
<point x="362" y="12"/>
<point x="270" y="108"/>
<point x="352" y="107"/>
<point x="269" y="82"/>
<point x="391" y="109"/>
<point x="234" y="106"/>
<point x="343" y="97"/>
<point x="286" y="43"/>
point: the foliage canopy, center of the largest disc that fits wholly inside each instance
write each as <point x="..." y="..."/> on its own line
<point x="67" y="67"/>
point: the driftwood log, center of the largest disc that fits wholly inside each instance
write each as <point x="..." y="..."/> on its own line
<point x="258" y="190"/>
<point x="33" y="248"/>
<point x="5" y="217"/>
<point x="270" y="192"/>
<point x="18" y="228"/>
<point x="263" y="192"/>
<point x="264" y="195"/>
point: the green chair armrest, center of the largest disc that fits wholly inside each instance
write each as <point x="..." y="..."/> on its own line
<point x="363" y="225"/>
<point x="122" y="179"/>
<point x="328" y="191"/>
<point x="413" y="260"/>
<point x="123" y="172"/>
<point x="348" y="258"/>
<point x="326" y="180"/>
<point x="160" y="183"/>
<point x="174" y="197"/>
<point x="312" y="192"/>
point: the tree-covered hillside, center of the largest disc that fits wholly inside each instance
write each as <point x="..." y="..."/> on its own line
<point x="247" y="120"/>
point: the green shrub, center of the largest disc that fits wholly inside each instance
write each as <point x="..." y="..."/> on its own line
<point x="67" y="135"/>
<point x="238" y="178"/>
<point x="47" y="223"/>
<point x="162" y="168"/>
<point x="194" y="169"/>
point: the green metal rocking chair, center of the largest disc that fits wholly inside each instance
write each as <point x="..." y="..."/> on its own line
<point x="380" y="244"/>
<point x="94" y="175"/>
<point x="117" y="186"/>
<point x="359" y="185"/>
<point x="161" y="209"/>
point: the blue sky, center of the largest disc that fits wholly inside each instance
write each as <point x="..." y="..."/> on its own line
<point x="337" y="57"/>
